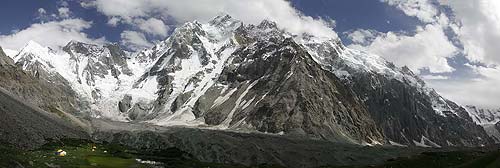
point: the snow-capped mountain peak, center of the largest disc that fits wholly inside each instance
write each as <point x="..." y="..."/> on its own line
<point x="36" y="59"/>
<point x="33" y="46"/>
<point x="484" y="116"/>
<point x="34" y="49"/>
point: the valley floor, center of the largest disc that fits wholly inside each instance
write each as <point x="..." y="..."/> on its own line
<point x="80" y="154"/>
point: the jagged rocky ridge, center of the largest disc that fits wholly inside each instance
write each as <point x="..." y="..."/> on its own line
<point x="229" y="75"/>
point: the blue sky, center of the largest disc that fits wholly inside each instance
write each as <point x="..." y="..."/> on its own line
<point x="358" y="14"/>
<point x="440" y="40"/>
<point x="348" y="14"/>
<point x="19" y="14"/>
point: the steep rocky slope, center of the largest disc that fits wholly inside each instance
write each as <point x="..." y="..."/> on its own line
<point x="273" y="85"/>
<point x="407" y="111"/>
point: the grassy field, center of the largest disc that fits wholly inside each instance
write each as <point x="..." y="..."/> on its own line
<point x="80" y="155"/>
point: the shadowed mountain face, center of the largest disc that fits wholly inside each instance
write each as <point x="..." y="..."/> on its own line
<point x="285" y="92"/>
<point x="229" y="75"/>
<point x="407" y="116"/>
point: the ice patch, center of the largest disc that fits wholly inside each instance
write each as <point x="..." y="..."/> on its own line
<point x="226" y="123"/>
<point x="222" y="99"/>
<point x="397" y="144"/>
<point x="424" y="141"/>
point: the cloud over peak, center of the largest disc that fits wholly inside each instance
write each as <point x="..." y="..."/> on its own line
<point x="146" y="15"/>
<point x="52" y="34"/>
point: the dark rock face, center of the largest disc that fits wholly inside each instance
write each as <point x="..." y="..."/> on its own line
<point x="497" y="126"/>
<point x="406" y="114"/>
<point x="276" y="87"/>
<point x="124" y="105"/>
<point x="28" y="127"/>
<point x="401" y="105"/>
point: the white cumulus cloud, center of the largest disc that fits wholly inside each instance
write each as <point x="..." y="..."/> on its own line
<point x="135" y="40"/>
<point x="249" y="11"/>
<point x="475" y="24"/>
<point x="64" y="12"/>
<point x="480" y="28"/>
<point x="424" y="10"/>
<point x="428" y="49"/>
<point x="153" y="26"/>
<point x="52" y="34"/>
<point x="480" y="91"/>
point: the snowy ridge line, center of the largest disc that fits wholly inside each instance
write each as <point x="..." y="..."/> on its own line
<point x="344" y="62"/>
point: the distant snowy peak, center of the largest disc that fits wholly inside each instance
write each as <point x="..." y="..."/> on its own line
<point x="33" y="47"/>
<point x="36" y="59"/>
<point x="484" y="116"/>
<point x="100" y="59"/>
<point x="10" y="53"/>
